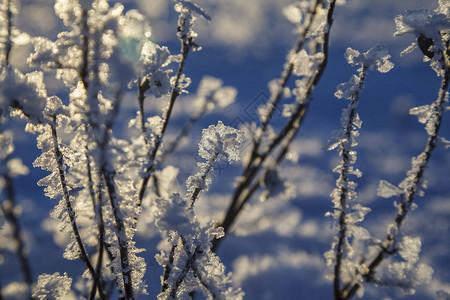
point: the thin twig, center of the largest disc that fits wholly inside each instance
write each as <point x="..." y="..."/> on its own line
<point x="8" y="212"/>
<point x="343" y="193"/>
<point x="168" y="269"/>
<point x="97" y="205"/>
<point x="257" y="160"/>
<point x="185" y="48"/>
<point x="8" y="43"/>
<point x="187" y="267"/>
<point x="71" y="213"/>
<point x="108" y="176"/>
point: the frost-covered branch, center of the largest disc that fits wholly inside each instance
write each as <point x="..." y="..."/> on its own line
<point x="347" y="212"/>
<point x="316" y="64"/>
<point x="413" y="184"/>
<point x="190" y="263"/>
<point x="60" y="170"/>
<point x="310" y="13"/>
<point x="96" y="199"/>
<point x="187" y="37"/>
<point x="345" y="191"/>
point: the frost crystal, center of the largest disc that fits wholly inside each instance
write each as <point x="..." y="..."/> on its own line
<point x="430" y="30"/>
<point x="221" y="141"/>
<point x="377" y="58"/>
<point x="423" y="113"/>
<point x="348" y="89"/>
<point x="186" y="9"/>
<point x="410" y="249"/>
<point x="352" y="241"/>
<point x="388" y="190"/>
<point x="193" y="267"/>
<point x="52" y="286"/>
<point x="305" y="64"/>
<point x="408" y="274"/>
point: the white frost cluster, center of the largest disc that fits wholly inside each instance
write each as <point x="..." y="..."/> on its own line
<point x="52" y="286"/>
<point x="153" y="62"/>
<point x="408" y="273"/>
<point x="376" y="58"/>
<point x="186" y="20"/>
<point x="221" y="141"/>
<point x="305" y="64"/>
<point x="191" y="263"/>
<point x="26" y="94"/>
<point x="218" y="143"/>
<point x="430" y="29"/>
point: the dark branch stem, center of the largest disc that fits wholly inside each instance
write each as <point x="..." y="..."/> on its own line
<point x="8" y="43"/>
<point x="8" y="212"/>
<point x="257" y="160"/>
<point x="62" y="177"/>
<point x="173" y="97"/>
<point x="343" y="193"/>
<point x="97" y="205"/>
<point x="108" y="175"/>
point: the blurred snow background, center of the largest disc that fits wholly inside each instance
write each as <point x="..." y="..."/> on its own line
<point x="276" y="250"/>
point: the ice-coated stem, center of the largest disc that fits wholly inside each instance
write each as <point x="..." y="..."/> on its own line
<point x="242" y="192"/>
<point x="185" y="48"/>
<point x="345" y="147"/>
<point x="70" y="211"/>
<point x="407" y="198"/>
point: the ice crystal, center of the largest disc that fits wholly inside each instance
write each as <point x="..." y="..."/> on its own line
<point x="305" y="64"/>
<point x="52" y="286"/>
<point x="186" y="20"/>
<point x="429" y="29"/>
<point x="377" y="58"/>
<point x="195" y="267"/>
<point x="221" y="141"/>
<point x="409" y="273"/>
<point x="388" y="190"/>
